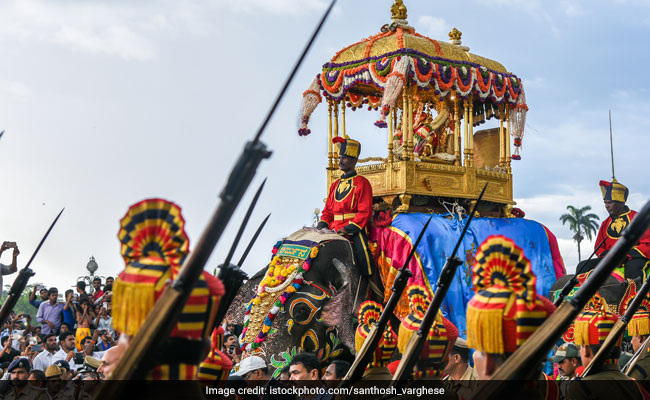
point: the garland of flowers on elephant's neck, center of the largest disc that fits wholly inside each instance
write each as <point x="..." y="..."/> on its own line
<point x="284" y="274"/>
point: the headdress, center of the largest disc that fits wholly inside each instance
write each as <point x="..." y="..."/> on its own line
<point x="348" y="147"/>
<point x="442" y="335"/>
<point x="217" y="365"/>
<point x="369" y="313"/>
<point x="594" y="323"/>
<point x="154" y="245"/>
<point x="614" y="191"/>
<point x="506" y="308"/>
<point x="639" y="325"/>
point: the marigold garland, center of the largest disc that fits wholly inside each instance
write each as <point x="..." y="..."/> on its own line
<point x="281" y="275"/>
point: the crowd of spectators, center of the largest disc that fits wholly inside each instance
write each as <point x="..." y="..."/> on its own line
<point x="50" y="357"/>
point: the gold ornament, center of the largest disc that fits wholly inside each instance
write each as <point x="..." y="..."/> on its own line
<point x="398" y="10"/>
<point x="455" y="34"/>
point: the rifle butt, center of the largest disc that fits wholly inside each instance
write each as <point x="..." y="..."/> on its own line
<point x="606" y="347"/>
<point x="360" y="363"/>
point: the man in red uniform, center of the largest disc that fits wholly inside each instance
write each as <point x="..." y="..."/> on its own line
<point x="620" y="216"/>
<point x="349" y="204"/>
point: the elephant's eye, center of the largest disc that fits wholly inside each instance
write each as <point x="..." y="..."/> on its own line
<point x="302" y="311"/>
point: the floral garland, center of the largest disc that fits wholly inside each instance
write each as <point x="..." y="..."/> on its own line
<point x="280" y="276"/>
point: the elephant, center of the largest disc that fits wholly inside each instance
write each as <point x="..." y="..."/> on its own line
<point x="316" y="317"/>
<point x="612" y="290"/>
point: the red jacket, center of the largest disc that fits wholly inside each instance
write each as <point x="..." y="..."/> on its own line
<point x="349" y="204"/>
<point x="611" y="231"/>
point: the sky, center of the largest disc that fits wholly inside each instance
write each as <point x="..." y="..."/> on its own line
<point x="107" y="103"/>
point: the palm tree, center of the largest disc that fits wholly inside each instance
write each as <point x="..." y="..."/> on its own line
<point x="580" y="222"/>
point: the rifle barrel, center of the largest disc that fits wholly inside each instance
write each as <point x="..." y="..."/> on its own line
<point x="519" y="365"/>
<point x="617" y="331"/>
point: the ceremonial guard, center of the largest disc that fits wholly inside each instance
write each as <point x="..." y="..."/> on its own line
<point x="614" y="197"/>
<point x="369" y="313"/>
<point x="154" y="246"/>
<point x="461" y="377"/>
<point x="441" y="337"/>
<point x="591" y="328"/>
<point x="505" y="310"/>
<point x="217" y="365"/>
<point x="639" y="329"/>
<point x="348" y="208"/>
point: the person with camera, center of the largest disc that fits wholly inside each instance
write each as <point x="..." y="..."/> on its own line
<point x="67" y="351"/>
<point x="231" y="348"/>
<point x="11" y="268"/>
<point x="104" y="322"/>
<point x="42" y="291"/>
<point x="50" y="313"/>
<point x="8" y="353"/>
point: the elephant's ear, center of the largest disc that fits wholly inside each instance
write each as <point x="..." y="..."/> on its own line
<point x="336" y="312"/>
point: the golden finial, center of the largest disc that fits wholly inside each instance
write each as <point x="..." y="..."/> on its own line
<point x="398" y="10"/>
<point x="455" y="34"/>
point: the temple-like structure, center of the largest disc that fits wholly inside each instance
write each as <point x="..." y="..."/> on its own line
<point x="431" y="96"/>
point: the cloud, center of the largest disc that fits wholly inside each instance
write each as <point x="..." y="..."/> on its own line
<point x="111" y="29"/>
<point x="435" y="27"/>
<point x="15" y="89"/>
<point x="537" y="82"/>
<point x="573" y="8"/>
<point x="277" y="7"/>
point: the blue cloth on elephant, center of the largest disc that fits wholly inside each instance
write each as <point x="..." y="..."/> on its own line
<point x="440" y="239"/>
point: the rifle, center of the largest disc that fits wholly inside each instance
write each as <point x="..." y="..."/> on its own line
<point x="525" y="361"/>
<point x="414" y="348"/>
<point x="364" y="356"/>
<point x="162" y="318"/>
<point x="617" y="330"/>
<point x="629" y="367"/>
<point x="571" y="283"/>
<point x="233" y="277"/>
<point x="23" y="277"/>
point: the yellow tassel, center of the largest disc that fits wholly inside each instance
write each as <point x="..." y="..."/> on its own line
<point x="638" y="327"/>
<point x="132" y="302"/>
<point x="403" y="337"/>
<point x="484" y="330"/>
<point x="358" y="340"/>
<point x="581" y="332"/>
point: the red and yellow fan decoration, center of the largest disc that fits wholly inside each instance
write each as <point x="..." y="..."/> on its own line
<point x="441" y="337"/>
<point x="594" y="323"/>
<point x="369" y="313"/>
<point x="154" y="245"/>
<point x="639" y="325"/>
<point x="506" y="308"/>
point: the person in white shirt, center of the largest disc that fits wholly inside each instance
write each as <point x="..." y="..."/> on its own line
<point x="46" y="358"/>
<point x="67" y="351"/>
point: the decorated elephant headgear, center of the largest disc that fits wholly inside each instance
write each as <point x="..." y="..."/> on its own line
<point x="153" y="246"/>
<point x="506" y="308"/>
<point x="594" y="323"/>
<point x="441" y="337"/>
<point x="614" y="191"/>
<point x="369" y="313"/>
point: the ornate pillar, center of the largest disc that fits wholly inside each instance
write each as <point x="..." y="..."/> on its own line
<point x="457" y="132"/>
<point x="404" y="124"/>
<point x="507" y="135"/>
<point x="502" y="139"/>
<point x="470" y="124"/>
<point x="390" y="135"/>
<point x="336" y="124"/>
<point x="466" y="126"/>
<point x="345" y="135"/>
<point x="329" y="141"/>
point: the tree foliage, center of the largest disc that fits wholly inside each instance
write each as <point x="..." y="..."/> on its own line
<point x="581" y="221"/>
